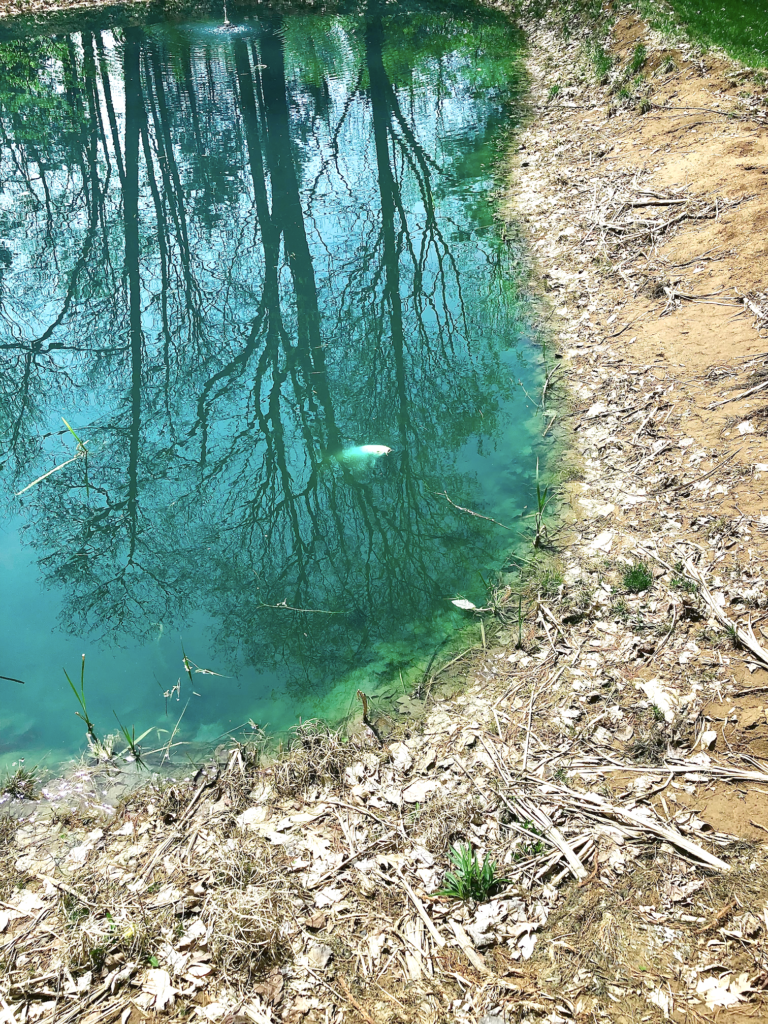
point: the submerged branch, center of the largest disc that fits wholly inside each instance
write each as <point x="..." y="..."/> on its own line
<point x="471" y="513"/>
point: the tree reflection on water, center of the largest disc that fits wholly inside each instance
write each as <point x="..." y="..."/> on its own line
<point x="226" y="257"/>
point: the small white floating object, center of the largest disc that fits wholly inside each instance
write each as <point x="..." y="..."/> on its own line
<point x="374" y="449"/>
<point x="360" y="451"/>
<point x="464" y="604"/>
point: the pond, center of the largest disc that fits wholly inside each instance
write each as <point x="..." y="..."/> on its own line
<point x="234" y="249"/>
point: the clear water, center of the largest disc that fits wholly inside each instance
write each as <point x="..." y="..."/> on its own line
<point x="226" y="255"/>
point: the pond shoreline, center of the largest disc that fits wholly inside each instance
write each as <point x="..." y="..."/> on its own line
<point x="608" y="752"/>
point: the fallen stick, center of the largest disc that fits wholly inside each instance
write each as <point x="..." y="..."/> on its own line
<point x="347" y="996"/>
<point x="555" y="836"/>
<point x="452" y="662"/>
<point x="468" y="949"/>
<point x="528" y="728"/>
<point x="738" y="398"/>
<point x="422" y="912"/>
<point x="8" y="1016"/>
<point x="746" y="636"/>
<point x="180" y="828"/>
<point x="352" y="1001"/>
<point x="716" y="770"/>
<point x="63" y="887"/>
<point x="469" y="511"/>
<point x="698" y="479"/>
<point x="592" y="804"/>
<point x="349" y="860"/>
<point x="112" y="980"/>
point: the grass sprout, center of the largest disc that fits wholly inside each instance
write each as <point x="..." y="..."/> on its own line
<point x="132" y="744"/>
<point x="80" y="697"/>
<point x="20" y="784"/>
<point x="531" y="848"/>
<point x="681" y="582"/>
<point x="472" y="879"/>
<point x="601" y="62"/>
<point x="639" y="57"/>
<point x="254" y="911"/>
<point x="317" y="754"/>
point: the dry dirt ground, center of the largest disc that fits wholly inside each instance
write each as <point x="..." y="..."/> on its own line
<point x="608" y="753"/>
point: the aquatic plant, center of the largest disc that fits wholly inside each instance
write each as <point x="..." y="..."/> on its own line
<point x="81" y="452"/>
<point x="520" y="620"/>
<point x="542" y="500"/>
<point x="132" y="744"/>
<point x="80" y="697"/>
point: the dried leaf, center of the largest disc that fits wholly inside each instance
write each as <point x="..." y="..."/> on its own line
<point x="722" y="991"/>
<point x="158" y="986"/>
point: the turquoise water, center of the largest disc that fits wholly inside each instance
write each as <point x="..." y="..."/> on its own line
<point x="227" y="255"/>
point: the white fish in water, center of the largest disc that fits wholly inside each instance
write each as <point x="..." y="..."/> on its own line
<point x="361" y="451"/>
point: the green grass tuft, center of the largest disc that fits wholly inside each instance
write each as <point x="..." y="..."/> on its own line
<point x="637" y="578"/>
<point x="639" y="57"/>
<point x="472" y="880"/>
<point x="20" y="784"/>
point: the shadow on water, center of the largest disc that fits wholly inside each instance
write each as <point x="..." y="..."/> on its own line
<point x="230" y="253"/>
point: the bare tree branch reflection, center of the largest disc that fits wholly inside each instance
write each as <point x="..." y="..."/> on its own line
<point x="253" y="250"/>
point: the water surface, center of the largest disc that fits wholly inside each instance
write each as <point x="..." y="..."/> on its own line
<point x="227" y="254"/>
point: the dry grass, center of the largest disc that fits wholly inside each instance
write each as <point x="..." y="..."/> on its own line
<point x="316" y="755"/>
<point x="8" y="826"/>
<point x="255" y="910"/>
<point x="444" y="821"/>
